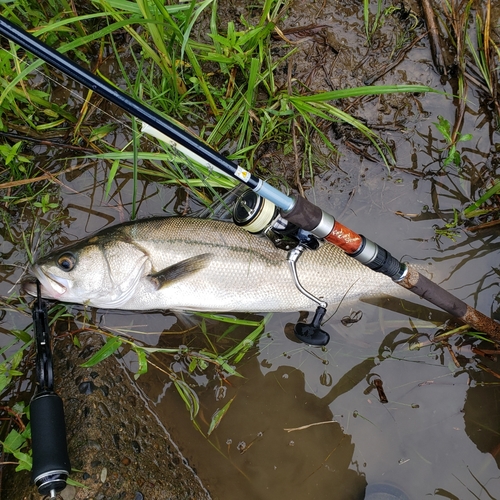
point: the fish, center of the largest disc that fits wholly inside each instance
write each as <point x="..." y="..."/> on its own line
<point x="194" y="264"/>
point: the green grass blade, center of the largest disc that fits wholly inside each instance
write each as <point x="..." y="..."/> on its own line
<point x="135" y="157"/>
<point x="218" y="416"/>
<point x="362" y="91"/>
<point x="110" y="347"/>
<point x="189" y="397"/>
<point x="486" y="196"/>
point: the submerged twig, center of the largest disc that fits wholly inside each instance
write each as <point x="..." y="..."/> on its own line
<point x="484" y="225"/>
<point x="488" y="370"/>
<point x="301" y="428"/>
<point x="452" y="355"/>
<point x="45" y="142"/>
<point x="442" y="336"/>
<point x="434" y="37"/>
<point x="43" y="177"/>
<point x="398" y="60"/>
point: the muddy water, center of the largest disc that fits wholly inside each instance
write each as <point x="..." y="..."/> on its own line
<point x="439" y="433"/>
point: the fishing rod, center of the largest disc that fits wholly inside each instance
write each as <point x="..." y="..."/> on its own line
<point x="259" y="207"/>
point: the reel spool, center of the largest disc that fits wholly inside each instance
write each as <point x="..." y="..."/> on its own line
<point x="254" y="213"/>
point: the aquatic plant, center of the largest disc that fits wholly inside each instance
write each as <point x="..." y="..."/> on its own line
<point x="194" y="360"/>
<point x="452" y="155"/>
<point x="486" y="56"/>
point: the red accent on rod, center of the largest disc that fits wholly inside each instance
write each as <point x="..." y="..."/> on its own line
<point x="344" y="238"/>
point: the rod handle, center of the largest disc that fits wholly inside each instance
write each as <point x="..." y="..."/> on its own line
<point x="51" y="466"/>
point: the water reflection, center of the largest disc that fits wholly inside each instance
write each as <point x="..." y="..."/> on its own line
<point x="482" y="413"/>
<point x="281" y="441"/>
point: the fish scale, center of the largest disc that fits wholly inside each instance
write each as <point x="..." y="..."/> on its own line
<point x="240" y="272"/>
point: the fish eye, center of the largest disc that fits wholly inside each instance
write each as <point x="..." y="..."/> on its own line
<point x="66" y="262"/>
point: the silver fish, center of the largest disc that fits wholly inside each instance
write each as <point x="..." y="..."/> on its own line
<point x="181" y="263"/>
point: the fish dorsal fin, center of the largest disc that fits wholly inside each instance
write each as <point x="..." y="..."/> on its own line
<point x="180" y="270"/>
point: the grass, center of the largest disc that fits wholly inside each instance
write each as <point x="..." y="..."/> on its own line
<point x="477" y="55"/>
<point x="231" y="73"/>
<point x="452" y="155"/>
<point x="247" y="106"/>
<point x="195" y="360"/>
<point x="372" y="23"/>
<point x="224" y="85"/>
<point x="482" y="213"/>
<point x="485" y="55"/>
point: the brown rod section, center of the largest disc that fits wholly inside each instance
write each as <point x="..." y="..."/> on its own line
<point x="344" y="238"/>
<point x="432" y="292"/>
<point x="308" y="216"/>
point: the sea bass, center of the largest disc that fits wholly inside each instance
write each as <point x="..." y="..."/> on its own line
<point x="188" y="264"/>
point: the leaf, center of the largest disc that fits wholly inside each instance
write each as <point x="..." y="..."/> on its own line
<point x="22" y="335"/>
<point x="246" y="344"/>
<point x="160" y="349"/>
<point x="444" y="127"/>
<point x="218" y="415"/>
<point x="111" y="345"/>
<point x="227" y="367"/>
<point x="13" y="441"/>
<point x="27" y="431"/>
<point x="25" y="461"/>
<point x="13" y="152"/>
<point x="189" y="397"/>
<point x="15" y="359"/>
<point x="4" y="381"/>
<point x="72" y="482"/>
<point x="143" y="362"/>
<point x="193" y="364"/>
<point x="362" y="91"/>
<point x="19" y="407"/>
<point x="486" y="196"/>
<point x="111" y="175"/>
<point x="13" y="444"/>
<point x="101" y="132"/>
<point x="465" y="137"/>
<point x="229" y="319"/>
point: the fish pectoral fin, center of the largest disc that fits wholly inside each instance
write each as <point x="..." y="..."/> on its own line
<point x="180" y="270"/>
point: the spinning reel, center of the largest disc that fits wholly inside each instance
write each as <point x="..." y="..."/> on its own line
<point x="260" y="216"/>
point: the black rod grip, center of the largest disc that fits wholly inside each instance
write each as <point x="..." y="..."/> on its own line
<point x="51" y="466"/>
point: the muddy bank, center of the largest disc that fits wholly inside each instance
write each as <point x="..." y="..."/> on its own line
<point x="117" y="446"/>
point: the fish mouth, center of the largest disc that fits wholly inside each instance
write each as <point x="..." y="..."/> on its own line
<point x="50" y="286"/>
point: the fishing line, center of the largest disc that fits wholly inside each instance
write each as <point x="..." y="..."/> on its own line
<point x="79" y="97"/>
<point x="176" y="154"/>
